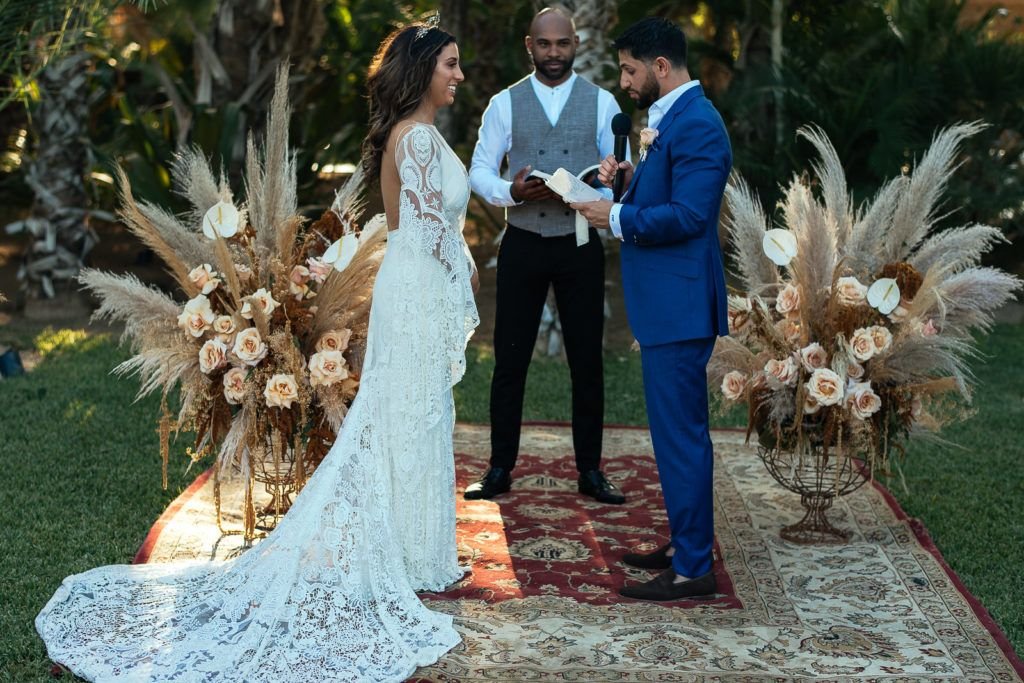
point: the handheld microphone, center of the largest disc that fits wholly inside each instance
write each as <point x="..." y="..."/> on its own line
<point x="621" y="125"/>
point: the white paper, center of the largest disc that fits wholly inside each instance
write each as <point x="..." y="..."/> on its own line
<point x="573" y="190"/>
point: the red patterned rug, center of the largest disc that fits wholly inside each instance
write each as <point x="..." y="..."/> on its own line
<point x="541" y="602"/>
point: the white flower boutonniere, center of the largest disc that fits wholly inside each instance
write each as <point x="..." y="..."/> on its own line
<point x="647" y="138"/>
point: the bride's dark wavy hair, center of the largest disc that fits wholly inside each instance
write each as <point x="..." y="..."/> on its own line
<point x="399" y="77"/>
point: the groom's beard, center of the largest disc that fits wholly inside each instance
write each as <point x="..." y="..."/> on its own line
<point x="648" y="93"/>
<point x="554" y="69"/>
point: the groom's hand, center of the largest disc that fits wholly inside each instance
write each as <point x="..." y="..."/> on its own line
<point x="606" y="173"/>
<point x="529" y="189"/>
<point x="595" y="212"/>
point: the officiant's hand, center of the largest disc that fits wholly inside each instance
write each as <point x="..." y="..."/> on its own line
<point x="530" y="189"/>
<point x="606" y="173"/>
<point x="596" y="212"/>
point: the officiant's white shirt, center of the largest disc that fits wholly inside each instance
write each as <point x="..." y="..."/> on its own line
<point x="656" y="112"/>
<point x="495" y="137"/>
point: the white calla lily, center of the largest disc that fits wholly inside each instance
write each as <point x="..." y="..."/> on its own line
<point x="779" y="246"/>
<point x="884" y="294"/>
<point x="341" y="252"/>
<point x="222" y="219"/>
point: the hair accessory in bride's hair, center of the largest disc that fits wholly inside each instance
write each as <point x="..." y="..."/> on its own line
<point x="432" y="20"/>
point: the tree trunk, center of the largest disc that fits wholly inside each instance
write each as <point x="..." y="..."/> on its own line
<point x="55" y="170"/>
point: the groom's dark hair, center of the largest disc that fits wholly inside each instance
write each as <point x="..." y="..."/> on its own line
<point x="654" y="37"/>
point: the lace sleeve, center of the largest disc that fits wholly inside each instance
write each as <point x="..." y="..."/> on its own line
<point x="437" y="232"/>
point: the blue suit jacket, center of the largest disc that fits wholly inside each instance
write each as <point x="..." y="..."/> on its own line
<point x="672" y="272"/>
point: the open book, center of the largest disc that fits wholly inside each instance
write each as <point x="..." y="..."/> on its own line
<point x="572" y="189"/>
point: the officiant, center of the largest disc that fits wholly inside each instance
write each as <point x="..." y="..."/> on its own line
<point x="553" y="118"/>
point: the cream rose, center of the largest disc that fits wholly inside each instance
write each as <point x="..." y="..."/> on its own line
<point x="784" y="371"/>
<point x="813" y="356"/>
<point x="224" y="326"/>
<point x="862" y="401"/>
<point x="825" y="386"/>
<point x="648" y="136"/>
<point x="788" y="301"/>
<point x="197" y="316"/>
<point x="733" y="385"/>
<point x="881" y="337"/>
<point x="863" y="344"/>
<point x="854" y="371"/>
<point x="281" y="391"/>
<point x="335" y="340"/>
<point x="811" y="405"/>
<point x="204" y="278"/>
<point x="234" y="385"/>
<point x="244" y="272"/>
<point x="326" y="368"/>
<point x="265" y="301"/>
<point x="249" y="347"/>
<point x="319" y="269"/>
<point x="212" y="356"/>
<point x="850" y="292"/>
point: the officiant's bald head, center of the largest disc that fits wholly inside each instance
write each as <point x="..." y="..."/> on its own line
<point x="552" y="17"/>
<point x="552" y="44"/>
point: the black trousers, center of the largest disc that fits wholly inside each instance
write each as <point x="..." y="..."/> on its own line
<point x="527" y="265"/>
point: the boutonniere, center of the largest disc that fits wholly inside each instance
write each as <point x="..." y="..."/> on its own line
<point x="647" y="138"/>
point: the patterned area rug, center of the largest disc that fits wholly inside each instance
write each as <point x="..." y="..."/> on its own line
<point x="541" y="602"/>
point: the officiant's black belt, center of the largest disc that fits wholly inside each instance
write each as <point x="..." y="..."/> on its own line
<point x="570" y="232"/>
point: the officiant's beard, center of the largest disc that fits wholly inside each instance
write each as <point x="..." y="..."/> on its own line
<point x="554" y="69"/>
<point x="649" y="93"/>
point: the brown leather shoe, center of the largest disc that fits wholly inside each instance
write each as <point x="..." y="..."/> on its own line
<point x="664" y="588"/>
<point x="659" y="559"/>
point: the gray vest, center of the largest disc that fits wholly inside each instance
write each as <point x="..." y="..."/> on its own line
<point x="570" y="144"/>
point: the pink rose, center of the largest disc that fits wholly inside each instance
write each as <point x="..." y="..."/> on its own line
<point x="862" y="401"/>
<point x="263" y="299"/>
<point x="335" y="340"/>
<point x="854" y="371"/>
<point x="734" y="384"/>
<point x="249" y="347"/>
<point x="234" y="385"/>
<point x="813" y="357"/>
<point x="197" y="316"/>
<point x="850" y="292"/>
<point x="811" y="405"/>
<point x="788" y="301"/>
<point x="281" y="391"/>
<point x="783" y="371"/>
<point x="212" y="356"/>
<point x="327" y="367"/>
<point x="863" y="344"/>
<point x="319" y="269"/>
<point x="825" y="386"/>
<point x="881" y="337"/>
<point x="297" y="282"/>
<point x="929" y="329"/>
<point x="204" y="278"/>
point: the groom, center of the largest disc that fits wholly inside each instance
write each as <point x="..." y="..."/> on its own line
<point x="674" y="285"/>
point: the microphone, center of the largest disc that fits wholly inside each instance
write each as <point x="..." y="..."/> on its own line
<point x="621" y="125"/>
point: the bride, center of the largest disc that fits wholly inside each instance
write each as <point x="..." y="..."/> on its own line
<point x="329" y="594"/>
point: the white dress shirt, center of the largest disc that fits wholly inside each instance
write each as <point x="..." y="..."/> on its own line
<point x="495" y="137"/>
<point x="654" y="116"/>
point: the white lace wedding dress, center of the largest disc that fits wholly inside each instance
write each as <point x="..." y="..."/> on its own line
<point x="329" y="594"/>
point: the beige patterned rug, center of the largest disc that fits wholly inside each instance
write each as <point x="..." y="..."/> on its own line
<point x="541" y="601"/>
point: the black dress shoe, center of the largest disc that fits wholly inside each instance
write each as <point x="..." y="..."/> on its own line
<point x="495" y="481"/>
<point x="594" y="484"/>
<point x="659" y="559"/>
<point x="663" y="588"/>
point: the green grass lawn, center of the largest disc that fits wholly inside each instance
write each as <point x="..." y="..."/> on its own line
<point x="81" y="474"/>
